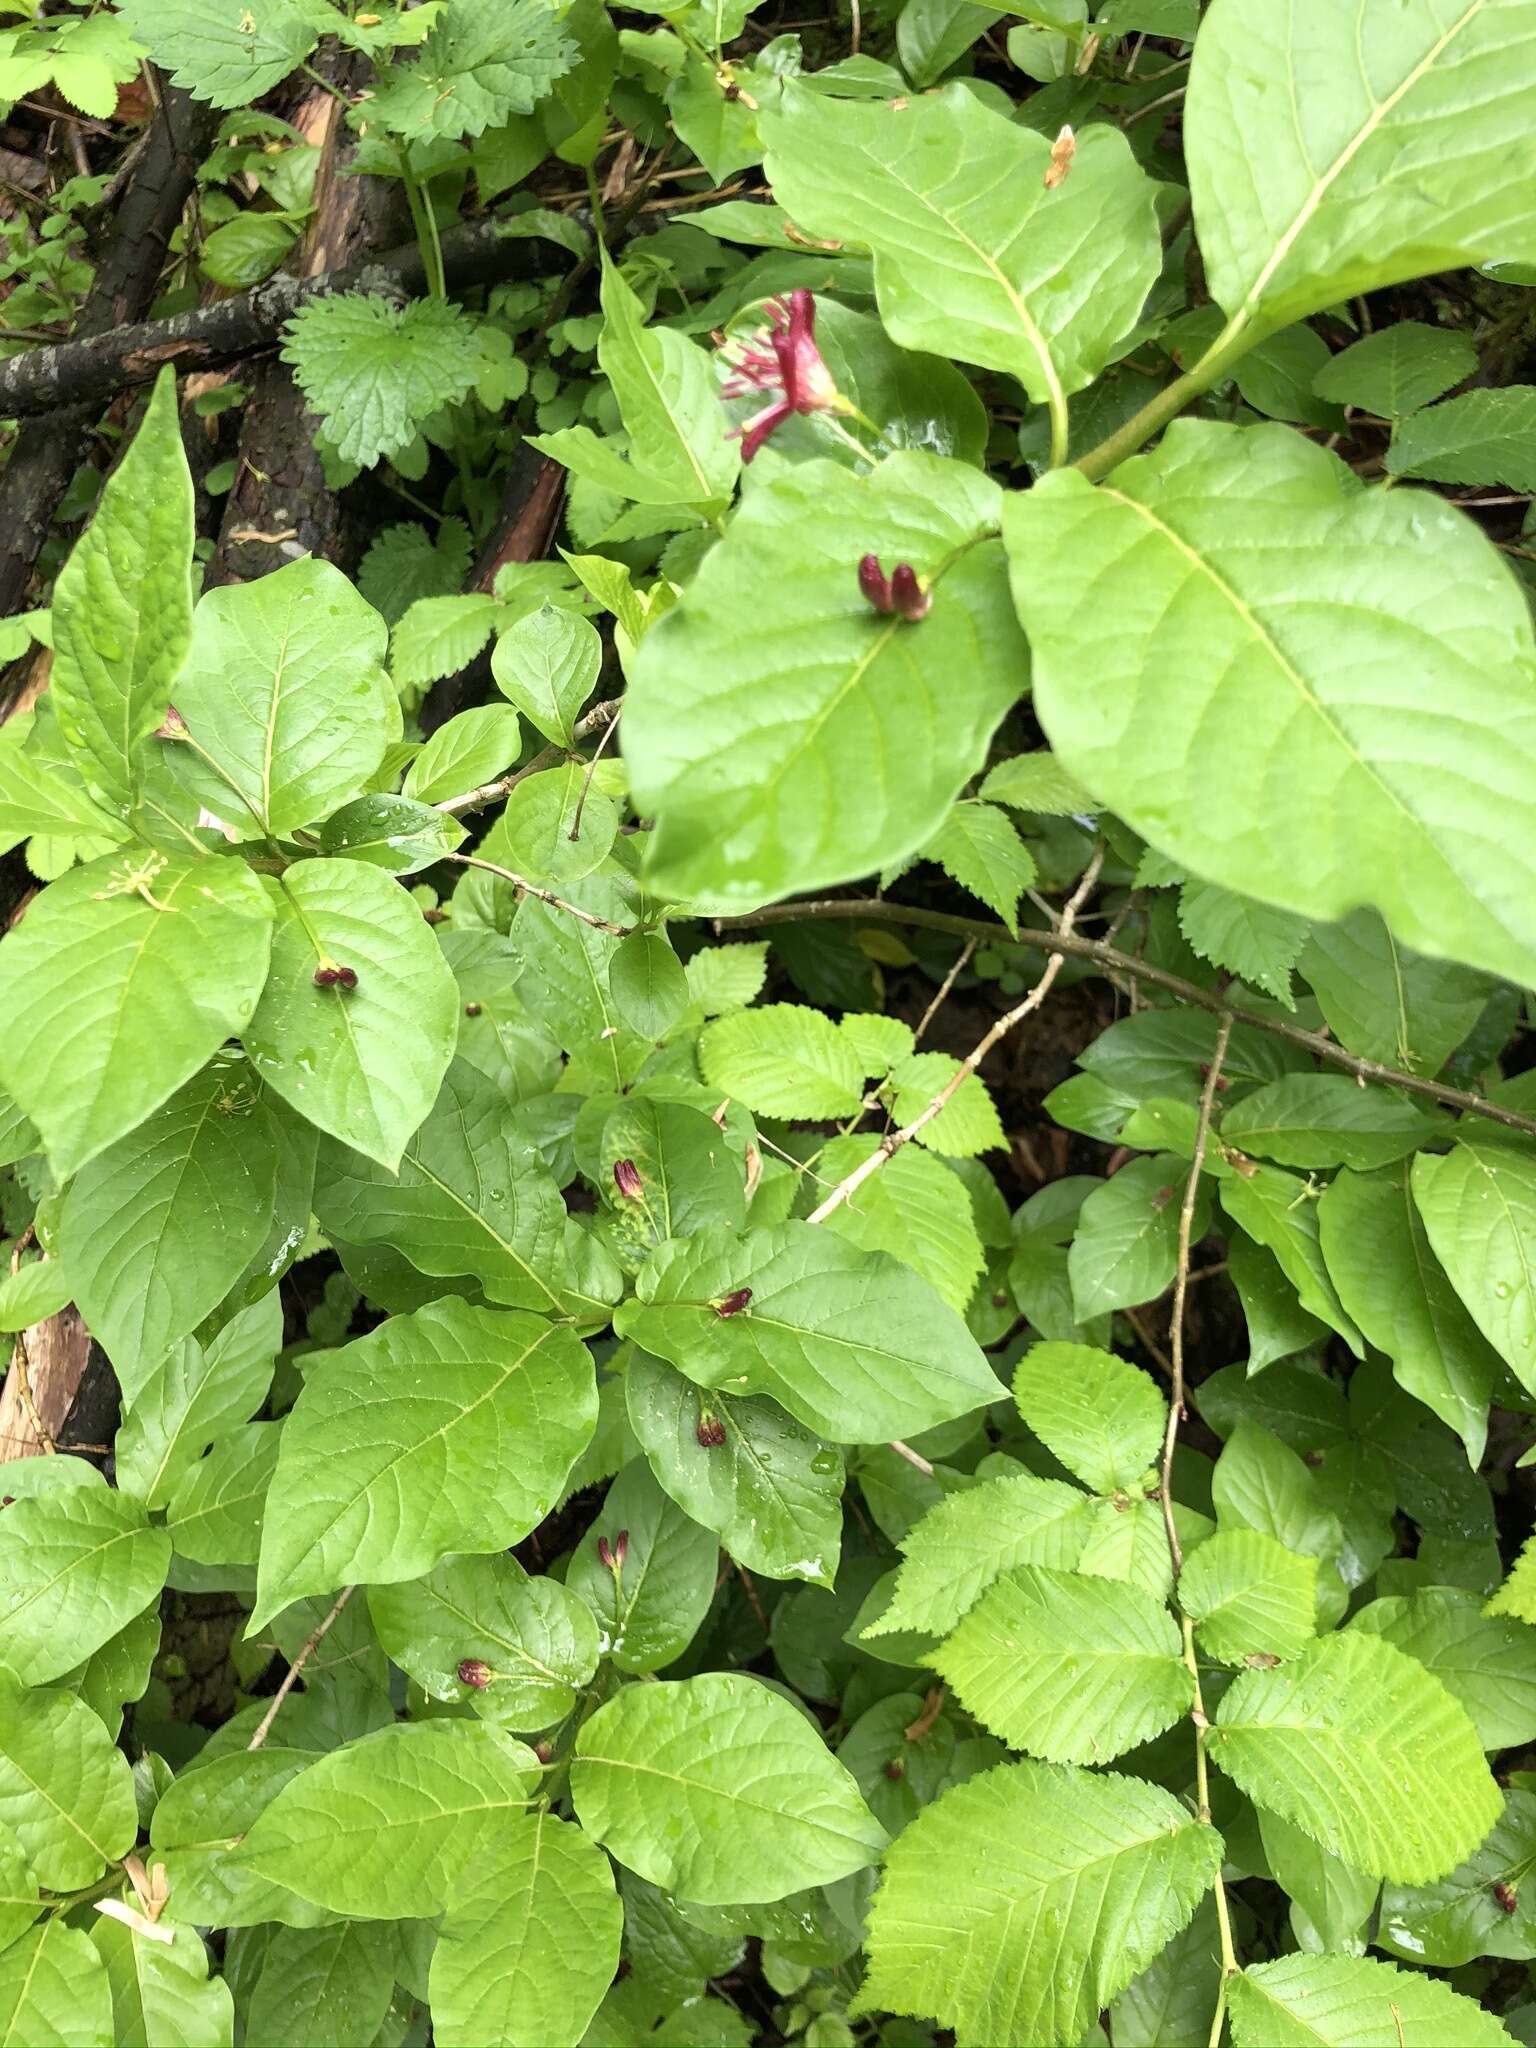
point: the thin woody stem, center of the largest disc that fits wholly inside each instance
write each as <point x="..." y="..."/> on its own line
<point x="322" y="1630"/>
<point x="602" y="715"/>
<point x="527" y="888"/>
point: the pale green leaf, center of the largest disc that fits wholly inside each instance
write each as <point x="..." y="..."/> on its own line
<point x="54" y="1992"/>
<point x="114" y="993"/>
<point x="1306" y="2001"/>
<point x="1478" y="1204"/>
<point x="1039" y="783"/>
<point x="225" y="55"/>
<point x="1483" y="437"/>
<point x="1254" y="942"/>
<point x="1488" y="1662"/>
<point x="966" y="1126"/>
<point x="852" y="1343"/>
<point x="978" y="847"/>
<point x="1365" y="1751"/>
<point x="1261" y="1483"/>
<point x="20" y="1901"/>
<point x="1173" y="1998"/>
<point x="1020" y="1903"/>
<point x="915" y="1207"/>
<point x="477" y="67"/>
<point x="65" y="1790"/>
<point x="772" y="690"/>
<point x="197" y="1826"/>
<point x="1330" y="1902"/>
<point x="651" y="1603"/>
<point x="36" y="1290"/>
<point x="666" y="391"/>
<point x="162" y="1994"/>
<point x="1398" y="712"/>
<point x="436" y="637"/>
<point x="375" y="371"/>
<point x="444" y="1431"/>
<point x="547" y="665"/>
<point x="1249" y="1596"/>
<point x="783" y="1060"/>
<point x="1517" y="1595"/>
<point x="1073" y="1669"/>
<point x="465" y="753"/>
<point x="1398" y="369"/>
<point x="722" y="978"/>
<point x="1100" y="1415"/>
<point x="192" y="1395"/>
<point x="558" y="826"/>
<point x="719" y="1790"/>
<point x="1327" y="1120"/>
<point x="363" y="1063"/>
<point x="214" y="1515"/>
<point x="968" y="1539"/>
<point x="647" y="983"/>
<point x="690" y="1172"/>
<point x="75" y="1567"/>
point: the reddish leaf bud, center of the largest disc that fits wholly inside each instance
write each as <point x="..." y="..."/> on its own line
<point x="710" y="1432"/>
<point x="473" y="1672"/>
<point x="733" y="1304"/>
<point x="908" y="596"/>
<point x="626" y="1178"/>
<point x="874" y="583"/>
<point x="329" y="975"/>
<point x="612" y="1555"/>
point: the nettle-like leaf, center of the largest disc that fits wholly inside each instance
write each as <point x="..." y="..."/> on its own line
<point x="1085" y="1877"/>
<point x="376" y="371"/>
<point x="225" y="55"/>
<point x="1478" y="1203"/>
<point x="1346" y="2001"/>
<point x="1249" y="1596"/>
<point x="1381" y="614"/>
<point x="965" y="1542"/>
<point x="1100" y="1415"/>
<point x="444" y="1431"/>
<point x="720" y="1791"/>
<point x="1385" y="146"/>
<point x="978" y="847"/>
<point x="772" y="688"/>
<point x="481" y="62"/>
<point x="1481" y="438"/>
<point x="1398" y="369"/>
<point x="1253" y="941"/>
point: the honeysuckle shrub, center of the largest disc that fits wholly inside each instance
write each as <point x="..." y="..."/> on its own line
<point x="696" y="1487"/>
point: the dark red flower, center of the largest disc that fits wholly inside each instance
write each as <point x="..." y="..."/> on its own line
<point x="782" y="358"/>
<point x="612" y="1555"/>
<point x="908" y="596"/>
<point x="733" y="1304"/>
<point x="626" y="1178"/>
<point x="473" y="1672"/>
<point x="710" y="1432"/>
<point x="875" y="584"/>
<point x="329" y="975"/>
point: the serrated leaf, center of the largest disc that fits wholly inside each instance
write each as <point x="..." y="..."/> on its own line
<point x="122" y="608"/>
<point x="1483" y="437"/>
<point x="159" y="1227"/>
<point x="478" y="66"/>
<point x="1037" y="782"/>
<point x="75" y="1567"/>
<point x="1381" y="1261"/>
<point x="65" y="1790"/>
<point x="376" y="371"/>
<point x="1397" y="369"/>
<point x="1249" y="1596"/>
<point x="748" y="801"/>
<point x="852" y="1343"/>
<point x="547" y="665"/>
<point x="722" y="978"/>
<point x="438" y="636"/>
<point x="978" y="847"/>
<point x="650" y="1607"/>
<point x="966" y="1126"/>
<point x="1085" y="1877"/>
<point x="771" y="1490"/>
<point x="387" y="1828"/>
<point x="1100" y="1415"/>
<point x="405" y="561"/>
<point x="1365" y="1751"/>
<point x="1320" y="1120"/>
<point x="525" y="1957"/>
<point x="1073" y="1669"/>
<point x="1353" y="2002"/>
<point x="1420" y="131"/>
<point x="1488" y="1662"/>
<point x="54" y="1989"/>
<point x="1253" y="941"/>
<point x="972" y="252"/>
<point x="465" y="753"/>
<point x="224" y="54"/>
<point x="1248" y="701"/>
<point x="112" y="1000"/>
<point x="719" y="1790"/>
<point x="1478" y="1204"/>
<point x="783" y="1060"/>
<point x="916" y="1208"/>
<point x="956" y="1550"/>
<point x="540" y="1641"/>
<point x="362" y="1063"/>
<point x="162" y="1992"/>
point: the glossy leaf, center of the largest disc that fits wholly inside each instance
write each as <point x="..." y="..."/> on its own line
<point x="547" y="665"/>
<point x="651" y="1601"/>
<point x="1100" y="1415"/>
<point x="1478" y="1204"/>
<point x="75" y="1567"/>
<point x="1249" y="1596"/>
<point x="65" y="1789"/>
<point x="1353" y="2002"/>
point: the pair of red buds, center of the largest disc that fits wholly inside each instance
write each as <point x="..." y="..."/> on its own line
<point x="329" y="975"/>
<point x="900" y="593"/>
<point x="611" y="1556"/>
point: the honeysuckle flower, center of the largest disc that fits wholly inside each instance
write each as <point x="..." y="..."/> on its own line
<point x="908" y="597"/>
<point x="874" y="583"/>
<point x="173" y="726"/>
<point x="782" y="358"/>
<point x="473" y="1671"/>
<point x="330" y="974"/>
<point x="612" y="1555"/>
<point x="710" y="1432"/>
<point x="733" y="1304"/>
<point x="626" y="1178"/>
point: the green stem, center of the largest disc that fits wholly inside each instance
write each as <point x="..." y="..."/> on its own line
<point x="424" y="221"/>
<point x="1234" y="340"/>
<point x="1061" y="431"/>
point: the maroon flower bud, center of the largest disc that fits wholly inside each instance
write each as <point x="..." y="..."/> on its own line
<point x="472" y="1009"/>
<point x="329" y="975"/>
<point x="173" y="726"/>
<point x="473" y="1672"/>
<point x="612" y="1555"/>
<point x="626" y="1178"/>
<point x="908" y="596"/>
<point x="710" y="1432"/>
<point x="895" y="1769"/>
<point x="1507" y="1897"/>
<point x="875" y="584"/>
<point x="543" y="1751"/>
<point x="733" y="1304"/>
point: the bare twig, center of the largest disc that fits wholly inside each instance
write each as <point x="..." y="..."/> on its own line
<point x="527" y="888"/>
<point x="905" y="1450"/>
<point x="19" y="1361"/>
<point x="321" y="1631"/>
<point x="962" y="960"/>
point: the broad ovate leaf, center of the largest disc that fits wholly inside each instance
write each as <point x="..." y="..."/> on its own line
<point x="720" y="1791"/>
<point x="65" y="1788"/>
<point x="1100" y="1415"/>
<point x="1478" y="1206"/>
<point x="1322" y="2001"/>
<point x="772" y="689"/>
<point x="162" y="1991"/>
<point x="1376" y="660"/>
<point x="1249" y="1596"/>
<point x="54" y="1989"/>
<point x="650" y="1605"/>
<point x="968" y="1539"/>
<point x="76" y="1565"/>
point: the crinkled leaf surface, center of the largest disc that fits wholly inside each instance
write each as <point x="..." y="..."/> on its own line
<point x="375" y="371"/>
<point x="968" y="1539"/>
<point x="1100" y="1415"/>
<point x="1248" y="1595"/>
<point x="212" y="52"/>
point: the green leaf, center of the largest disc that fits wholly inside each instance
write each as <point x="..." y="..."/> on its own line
<point x="1486" y="1662"/>
<point x="285" y="697"/>
<point x="157" y="1229"/>
<point x="472" y="1197"/>
<point x="448" y="1430"/>
<point x="967" y="1125"/>
<point x="1126" y="1246"/>
<point x="1481" y="438"/>
<point x="1380" y="1000"/>
<point x="1279" y="1212"/>
<point x="193" y="1395"/>
<point x="20" y="1901"/>
<point x="650" y="1606"/>
<point x="394" y="833"/>
<point x="1261" y="1483"/>
<point x="1173" y="1998"/>
<point x="1320" y="1120"/>
<point x="36" y="1290"/>
<point x="648" y="985"/>
<point x="1478" y="1204"/>
<point x="1380" y="1259"/>
<point x="197" y="1826"/>
<point x="364" y="1063"/>
<point x="969" y="1539"/>
<point x="324" y="1985"/>
<point x="978" y="847"/>
<point x="1073" y="1669"/>
<point x="1100" y="1415"/>
<point x="75" y="1566"/>
<point x="667" y="394"/>
<point x="1418" y="130"/>
<point x="1085" y="1876"/>
<point x="477" y="68"/>
<point x="39" y="792"/>
<point x="719" y="1790"/>
<point x="722" y="978"/>
<point x="974" y="257"/>
<point x="751" y="803"/>
<point x="437" y="636"/>
<point x="547" y="665"/>
<point x="690" y="1173"/>
<point x="1330" y="1902"/>
<point x="1366" y="1753"/>
<point x="1465" y="1917"/>
<point x="1301" y="2001"/>
<point x="1397" y="369"/>
<point x="525" y="1958"/>
<point x="122" y="608"/>
<point x="770" y="1489"/>
<point x="540" y="1641"/>
<point x="1393" y="790"/>
<point x="214" y="1515"/>
<point x="1039" y="783"/>
<point x="852" y="1343"/>
<point x="916" y="1208"/>
<point x="465" y="753"/>
<point x="54" y="1990"/>
<point x="65" y="1790"/>
<point x="389" y="1827"/>
<point x="375" y="371"/>
<point x="1249" y="1596"/>
<point x="783" y="1060"/>
<point x="162" y="1992"/>
<point x="1258" y="944"/>
<point x="227" y="57"/>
